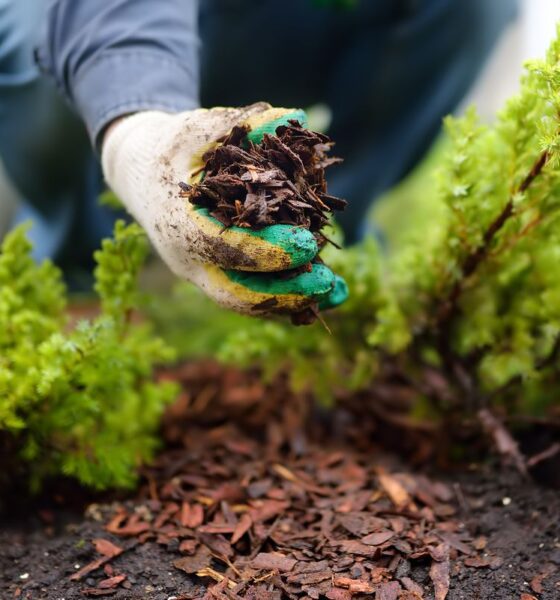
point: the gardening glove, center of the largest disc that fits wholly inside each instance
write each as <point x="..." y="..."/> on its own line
<point x="145" y="156"/>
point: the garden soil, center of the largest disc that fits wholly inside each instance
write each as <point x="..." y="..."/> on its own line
<point x="258" y="495"/>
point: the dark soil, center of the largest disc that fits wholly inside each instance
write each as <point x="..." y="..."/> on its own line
<point x="259" y="497"/>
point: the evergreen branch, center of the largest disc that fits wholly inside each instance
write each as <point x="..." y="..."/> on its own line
<point x="473" y="260"/>
<point x="453" y="365"/>
<point x="81" y="383"/>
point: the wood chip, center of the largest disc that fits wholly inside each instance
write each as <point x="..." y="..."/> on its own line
<point x="241" y="528"/>
<point x="356" y="586"/>
<point x="273" y="561"/>
<point x="90" y="591"/>
<point x="411" y="586"/>
<point x="107" y="548"/>
<point x="394" y="490"/>
<point x="192" y="516"/>
<point x="388" y="591"/>
<point x="376" y="539"/>
<point x="439" y="574"/>
<point x="199" y="560"/>
<point x="356" y="547"/>
<point x="111" y="582"/>
<point x="283" y="517"/>
<point x="536" y="582"/>
<point x="280" y="180"/>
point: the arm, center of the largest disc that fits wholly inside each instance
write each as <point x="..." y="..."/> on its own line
<point x="137" y="57"/>
<point x="116" y="57"/>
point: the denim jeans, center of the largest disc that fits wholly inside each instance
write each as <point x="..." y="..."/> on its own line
<point x="389" y="70"/>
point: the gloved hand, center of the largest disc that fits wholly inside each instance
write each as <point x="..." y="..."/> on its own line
<point x="144" y="158"/>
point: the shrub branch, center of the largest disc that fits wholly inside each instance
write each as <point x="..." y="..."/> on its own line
<point x="474" y="259"/>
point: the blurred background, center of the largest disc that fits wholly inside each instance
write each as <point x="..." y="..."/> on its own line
<point x="527" y="38"/>
<point x="399" y="211"/>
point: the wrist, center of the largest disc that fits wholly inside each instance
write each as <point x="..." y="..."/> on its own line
<point x="110" y="128"/>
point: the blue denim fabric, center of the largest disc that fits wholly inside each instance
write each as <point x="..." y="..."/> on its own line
<point x="43" y="146"/>
<point x="119" y="56"/>
<point x="388" y="69"/>
<point x="95" y="61"/>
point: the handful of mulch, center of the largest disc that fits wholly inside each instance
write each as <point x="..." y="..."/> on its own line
<point x="281" y="180"/>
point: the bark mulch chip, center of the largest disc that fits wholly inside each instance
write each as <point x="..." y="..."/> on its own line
<point x="250" y="519"/>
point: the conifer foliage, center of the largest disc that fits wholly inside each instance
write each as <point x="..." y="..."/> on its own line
<point x="77" y="401"/>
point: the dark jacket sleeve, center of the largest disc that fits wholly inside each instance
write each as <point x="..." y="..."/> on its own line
<point x="112" y="57"/>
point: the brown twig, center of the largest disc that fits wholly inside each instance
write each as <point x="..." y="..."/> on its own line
<point x="547" y="454"/>
<point x="503" y="440"/>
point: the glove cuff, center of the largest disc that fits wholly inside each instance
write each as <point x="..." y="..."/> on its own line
<point x="129" y="156"/>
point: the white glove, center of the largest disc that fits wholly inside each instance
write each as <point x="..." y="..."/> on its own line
<point x="145" y="156"/>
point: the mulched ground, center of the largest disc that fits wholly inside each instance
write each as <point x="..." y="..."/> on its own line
<point x="259" y="496"/>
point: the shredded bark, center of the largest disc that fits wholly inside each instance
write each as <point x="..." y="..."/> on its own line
<point x="281" y="180"/>
<point x="258" y="496"/>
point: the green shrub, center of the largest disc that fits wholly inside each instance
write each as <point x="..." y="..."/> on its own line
<point x="473" y="292"/>
<point x="78" y="401"/>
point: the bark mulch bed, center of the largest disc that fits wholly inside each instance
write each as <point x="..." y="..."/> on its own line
<point x="260" y="496"/>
